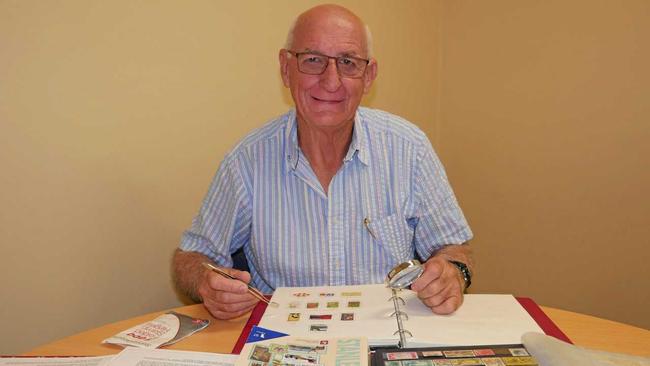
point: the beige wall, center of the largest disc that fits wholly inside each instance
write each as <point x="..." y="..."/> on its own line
<point x="114" y="116"/>
<point x="544" y="128"/>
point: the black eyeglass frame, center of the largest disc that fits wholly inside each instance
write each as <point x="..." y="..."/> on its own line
<point x="335" y="58"/>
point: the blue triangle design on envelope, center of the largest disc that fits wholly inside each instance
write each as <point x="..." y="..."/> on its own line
<point x="261" y="334"/>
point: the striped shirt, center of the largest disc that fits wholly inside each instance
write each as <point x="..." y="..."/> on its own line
<point x="389" y="202"/>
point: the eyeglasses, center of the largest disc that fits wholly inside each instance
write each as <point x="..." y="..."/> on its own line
<point x="314" y="63"/>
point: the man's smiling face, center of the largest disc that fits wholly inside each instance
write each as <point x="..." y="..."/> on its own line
<point x="327" y="100"/>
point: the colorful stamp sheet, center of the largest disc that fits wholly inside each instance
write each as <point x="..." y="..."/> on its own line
<point x="431" y="353"/>
<point x="467" y="362"/>
<point x="417" y="363"/>
<point x="391" y="356"/>
<point x="518" y="361"/>
<point x="260" y="353"/>
<point x="442" y="362"/>
<point x="347" y="316"/>
<point x="278" y="348"/>
<point x="502" y="351"/>
<point x="458" y="353"/>
<point x="318" y="328"/>
<point x="483" y="352"/>
<point x="299" y="358"/>
<point x="293" y="348"/>
<point x="518" y="352"/>
<point x="492" y="361"/>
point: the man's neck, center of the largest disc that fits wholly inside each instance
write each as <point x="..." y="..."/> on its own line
<point x="325" y="149"/>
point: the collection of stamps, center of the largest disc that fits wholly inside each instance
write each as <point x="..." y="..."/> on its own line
<point x="288" y="354"/>
<point x="494" y="356"/>
<point x="323" y="307"/>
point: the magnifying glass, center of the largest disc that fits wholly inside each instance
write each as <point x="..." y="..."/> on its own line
<point x="404" y="274"/>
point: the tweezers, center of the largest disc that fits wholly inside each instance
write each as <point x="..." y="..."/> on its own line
<point x="252" y="290"/>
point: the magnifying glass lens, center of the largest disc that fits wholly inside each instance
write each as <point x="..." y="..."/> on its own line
<point x="404" y="274"/>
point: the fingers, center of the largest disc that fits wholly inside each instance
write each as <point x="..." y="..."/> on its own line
<point x="226" y="298"/>
<point x="433" y="269"/>
<point x="218" y="282"/>
<point x="440" y="286"/>
<point x="226" y="315"/>
<point x="228" y="310"/>
<point x="448" y="306"/>
<point x="240" y="275"/>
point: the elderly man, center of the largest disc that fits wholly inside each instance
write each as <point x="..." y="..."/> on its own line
<point x="329" y="193"/>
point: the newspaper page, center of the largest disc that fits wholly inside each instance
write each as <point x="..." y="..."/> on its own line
<point x="165" y="357"/>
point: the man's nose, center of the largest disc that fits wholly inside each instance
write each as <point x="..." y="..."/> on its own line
<point x="330" y="79"/>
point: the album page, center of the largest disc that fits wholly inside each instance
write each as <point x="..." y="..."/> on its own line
<point x="365" y="310"/>
<point x="334" y="311"/>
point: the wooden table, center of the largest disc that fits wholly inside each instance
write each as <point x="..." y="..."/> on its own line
<point x="220" y="336"/>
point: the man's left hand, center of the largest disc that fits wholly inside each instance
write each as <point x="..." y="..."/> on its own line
<point x="441" y="286"/>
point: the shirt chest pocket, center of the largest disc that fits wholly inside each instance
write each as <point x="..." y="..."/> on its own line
<point x="394" y="235"/>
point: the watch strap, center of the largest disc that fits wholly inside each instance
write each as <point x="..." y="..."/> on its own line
<point x="464" y="272"/>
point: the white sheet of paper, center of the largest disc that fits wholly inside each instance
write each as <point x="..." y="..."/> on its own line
<point x="56" y="361"/>
<point x="165" y="357"/>
<point x="549" y="351"/>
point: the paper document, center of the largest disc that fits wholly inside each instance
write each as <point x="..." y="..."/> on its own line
<point x="56" y="361"/>
<point x="164" y="357"/>
<point x="550" y="351"/>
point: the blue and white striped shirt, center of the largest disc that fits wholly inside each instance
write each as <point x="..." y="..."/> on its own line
<point x="389" y="201"/>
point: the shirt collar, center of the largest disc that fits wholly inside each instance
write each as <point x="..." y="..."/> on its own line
<point x="358" y="145"/>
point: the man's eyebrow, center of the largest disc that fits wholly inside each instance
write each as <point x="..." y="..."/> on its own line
<point x="349" y="53"/>
<point x="340" y="54"/>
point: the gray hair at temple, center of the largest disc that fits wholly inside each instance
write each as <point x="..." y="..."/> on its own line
<point x="289" y="42"/>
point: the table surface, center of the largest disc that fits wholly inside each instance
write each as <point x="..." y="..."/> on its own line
<point x="221" y="335"/>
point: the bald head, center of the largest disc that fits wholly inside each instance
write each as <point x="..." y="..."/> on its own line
<point x="332" y="14"/>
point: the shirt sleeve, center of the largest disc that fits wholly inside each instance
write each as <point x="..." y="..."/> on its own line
<point x="223" y="223"/>
<point x="440" y="219"/>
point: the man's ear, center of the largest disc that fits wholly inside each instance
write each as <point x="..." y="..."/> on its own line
<point x="370" y="75"/>
<point x="283" y="56"/>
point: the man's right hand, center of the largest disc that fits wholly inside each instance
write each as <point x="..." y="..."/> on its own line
<point x="225" y="298"/>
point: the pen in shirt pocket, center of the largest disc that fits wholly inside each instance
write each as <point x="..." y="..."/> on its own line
<point x="366" y="223"/>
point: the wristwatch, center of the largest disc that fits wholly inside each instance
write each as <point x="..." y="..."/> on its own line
<point x="464" y="271"/>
